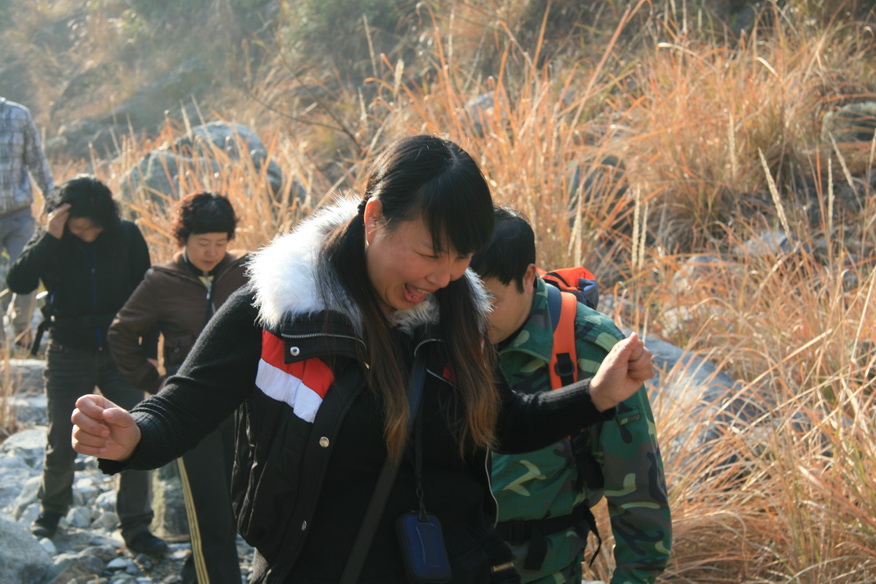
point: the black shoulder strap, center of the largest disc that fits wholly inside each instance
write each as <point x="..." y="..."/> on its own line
<point x="384" y="483"/>
<point x="555" y="302"/>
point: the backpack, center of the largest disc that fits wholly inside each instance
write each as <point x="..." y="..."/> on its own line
<point x="568" y="286"/>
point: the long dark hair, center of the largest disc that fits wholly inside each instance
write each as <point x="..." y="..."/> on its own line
<point x="433" y="179"/>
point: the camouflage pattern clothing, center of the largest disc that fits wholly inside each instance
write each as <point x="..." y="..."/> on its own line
<point x="541" y="484"/>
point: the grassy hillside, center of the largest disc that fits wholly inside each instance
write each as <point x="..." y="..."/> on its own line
<point x="700" y="127"/>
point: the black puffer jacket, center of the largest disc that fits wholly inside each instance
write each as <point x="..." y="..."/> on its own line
<point x="309" y="432"/>
<point x="87" y="282"/>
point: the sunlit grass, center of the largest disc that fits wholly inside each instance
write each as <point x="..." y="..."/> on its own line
<point x="720" y="143"/>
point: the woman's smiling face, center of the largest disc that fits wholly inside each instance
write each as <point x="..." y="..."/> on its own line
<point x="403" y="266"/>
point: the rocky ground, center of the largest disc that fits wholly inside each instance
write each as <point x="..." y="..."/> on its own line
<point x="87" y="547"/>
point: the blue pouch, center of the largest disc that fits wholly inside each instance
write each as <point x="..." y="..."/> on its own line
<point x="422" y="545"/>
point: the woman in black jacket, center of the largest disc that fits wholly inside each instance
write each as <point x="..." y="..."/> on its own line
<point x="316" y="357"/>
<point x="89" y="261"/>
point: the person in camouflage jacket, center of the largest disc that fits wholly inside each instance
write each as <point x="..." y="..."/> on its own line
<point x="544" y="496"/>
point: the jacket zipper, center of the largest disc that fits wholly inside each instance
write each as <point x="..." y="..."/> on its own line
<point x="90" y="255"/>
<point x="315" y="335"/>
<point x="423" y="342"/>
<point x="487" y="454"/>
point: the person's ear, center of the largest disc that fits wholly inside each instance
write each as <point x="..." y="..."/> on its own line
<point x="529" y="277"/>
<point x="372" y="218"/>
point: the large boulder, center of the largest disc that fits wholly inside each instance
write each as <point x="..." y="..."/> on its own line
<point x="157" y="179"/>
<point x="163" y="176"/>
<point x="690" y="380"/>
<point x="78" y="138"/>
<point x="22" y="559"/>
<point x="145" y="111"/>
<point x="238" y="142"/>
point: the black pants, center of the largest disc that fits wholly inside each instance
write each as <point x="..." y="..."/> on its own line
<point x="205" y="475"/>
<point x="71" y="373"/>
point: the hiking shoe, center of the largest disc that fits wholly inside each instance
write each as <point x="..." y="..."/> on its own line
<point x="46" y="524"/>
<point x="146" y="543"/>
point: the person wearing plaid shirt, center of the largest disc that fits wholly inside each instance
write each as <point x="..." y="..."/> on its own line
<point x="21" y="158"/>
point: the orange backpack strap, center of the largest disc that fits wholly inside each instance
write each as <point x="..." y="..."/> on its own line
<point x="563" y="367"/>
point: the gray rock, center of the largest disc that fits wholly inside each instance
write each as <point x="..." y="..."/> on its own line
<point x="695" y="387"/>
<point x="79" y="517"/>
<point x="23" y="558"/>
<point x="697" y="277"/>
<point x="205" y="151"/>
<point x="49" y="546"/>
<point x="738" y="16"/>
<point x="236" y="141"/>
<point x="156" y="178"/>
<point x="71" y="566"/>
<point x="769" y="243"/>
<point x="594" y="181"/>
<point x="12" y="479"/>
<point x="852" y="123"/>
<point x="701" y="271"/>
<point x="26" y="496"/>
<point x="106" y="501"/>
<point x="78" y="138"/>
<point x="105" y="552"/>
<point x="28" y="445"/>
<point x="477" y="111"/>
<point x="119" y="564"/>
<point x="30" y="409"/>
<point x="144" y="112"/>
<point x="168" y="502"/>
<point x="105" y="521"/>
<point x="26" y="376"/>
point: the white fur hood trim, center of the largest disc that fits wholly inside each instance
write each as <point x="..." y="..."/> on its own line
<point x="289" y="280"/>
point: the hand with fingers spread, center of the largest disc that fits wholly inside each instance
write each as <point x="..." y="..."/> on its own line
<point x="626" y="367"/>
<point x="103" y="429"/>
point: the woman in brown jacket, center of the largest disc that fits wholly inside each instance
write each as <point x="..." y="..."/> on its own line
<point x="179" y="298"/>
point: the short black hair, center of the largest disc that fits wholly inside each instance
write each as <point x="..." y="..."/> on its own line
<point x="510" y="250"/>
<point x="89" y="199"/>
<point x="203" y="212"/>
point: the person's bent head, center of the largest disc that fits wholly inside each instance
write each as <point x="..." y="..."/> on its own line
<point x="426" y="209"/>
<point x="203" y="225"/>
<point x="92" y="207"/>
<point x="507" y="267"/>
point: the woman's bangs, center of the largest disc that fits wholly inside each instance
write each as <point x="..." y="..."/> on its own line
<point x="459" y="215"/>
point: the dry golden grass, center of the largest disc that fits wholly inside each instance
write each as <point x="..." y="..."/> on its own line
<point x="719" y="143"/>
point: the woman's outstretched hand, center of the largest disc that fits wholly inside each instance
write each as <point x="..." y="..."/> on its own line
<point x="103" y="429"/>
<point x="626" y="367"/>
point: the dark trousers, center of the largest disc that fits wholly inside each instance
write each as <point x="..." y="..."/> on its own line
<point x="205" y="475"/>
<point x="70" y="373"/>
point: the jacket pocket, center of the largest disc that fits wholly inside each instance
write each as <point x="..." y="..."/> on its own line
<point x="177" y="348"/>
